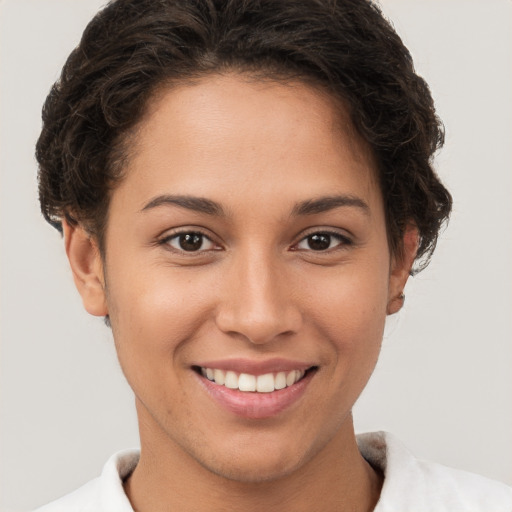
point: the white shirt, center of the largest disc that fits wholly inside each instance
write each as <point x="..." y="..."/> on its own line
<point x="410" y="484"/>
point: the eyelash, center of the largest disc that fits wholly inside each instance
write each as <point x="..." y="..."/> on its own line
<point x="343" y="242"/>
<point x="166" y="241"/>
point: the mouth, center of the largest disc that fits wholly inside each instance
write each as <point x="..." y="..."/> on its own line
<point x="249" y="383"/>
<point x="255" y="395"/>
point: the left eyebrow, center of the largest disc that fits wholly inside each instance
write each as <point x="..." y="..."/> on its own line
<point x="324" y="204"/>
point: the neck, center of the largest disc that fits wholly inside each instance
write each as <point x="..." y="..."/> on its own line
<point x="337" y="479"/>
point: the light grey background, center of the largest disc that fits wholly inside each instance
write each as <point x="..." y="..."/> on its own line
<point x="443" y="384"/>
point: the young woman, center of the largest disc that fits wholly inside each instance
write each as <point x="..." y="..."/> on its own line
<point x="244" y="188"/>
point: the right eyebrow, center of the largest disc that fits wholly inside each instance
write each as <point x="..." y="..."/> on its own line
<point x="197" y="204"/>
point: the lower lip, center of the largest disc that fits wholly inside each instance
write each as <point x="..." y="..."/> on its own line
<point x="256" y="405"/>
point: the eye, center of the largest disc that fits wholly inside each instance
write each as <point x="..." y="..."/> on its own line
<point x="189" y="242"/>
<point x="322" y="241"/>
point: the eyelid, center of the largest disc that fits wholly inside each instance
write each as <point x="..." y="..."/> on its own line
<point x="168" y="235"/>
<point x="344" y="238"/>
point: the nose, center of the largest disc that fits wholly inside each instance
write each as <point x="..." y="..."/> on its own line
<point x="257" y="300"/>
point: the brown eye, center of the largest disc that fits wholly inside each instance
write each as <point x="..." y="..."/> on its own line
<point x="190" y="242"/>
<point x="319" y="242"/>
<point x="322" y="241"/>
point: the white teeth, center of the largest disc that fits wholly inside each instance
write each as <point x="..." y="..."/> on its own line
<point x="249" y="383"/>
<point x="265" y="383"/>
<point x="231" y="380"/>
<point x="280" y="381"/>
<point x="291" y="377"/>
<point x="219" y="377"/>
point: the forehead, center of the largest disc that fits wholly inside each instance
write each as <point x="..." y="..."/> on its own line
<point x="225" y="135"/>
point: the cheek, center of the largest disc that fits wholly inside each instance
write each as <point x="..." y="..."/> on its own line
<point x="350" y="305"/>
<point x="153" y="320"/>
<point x="154" y="312"/>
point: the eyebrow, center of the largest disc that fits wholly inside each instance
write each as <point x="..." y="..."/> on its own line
<point x="324" y="204"/>
<point x="209" y="207"/>
<point x="197" y="204"/>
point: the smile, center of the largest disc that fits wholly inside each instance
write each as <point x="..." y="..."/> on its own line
<point x="246" y="382"/>
<point x="255" y="390"/>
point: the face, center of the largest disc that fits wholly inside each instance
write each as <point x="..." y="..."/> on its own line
<point x="247" y="274"/>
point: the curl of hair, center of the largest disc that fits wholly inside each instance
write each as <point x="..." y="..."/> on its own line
<point x="133" y="47"/>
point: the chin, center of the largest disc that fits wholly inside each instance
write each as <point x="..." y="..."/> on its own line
<point x="255" y="471"/>
<point x="263" y="462"/>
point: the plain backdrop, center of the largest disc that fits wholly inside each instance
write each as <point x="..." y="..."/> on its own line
<point x="443" y="383"/>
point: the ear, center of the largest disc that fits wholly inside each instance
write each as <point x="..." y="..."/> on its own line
<point x="87" y="267"/>
<point x="401" y="266"/>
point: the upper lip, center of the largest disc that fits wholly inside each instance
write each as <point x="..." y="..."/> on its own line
<point x="254" y="367"/>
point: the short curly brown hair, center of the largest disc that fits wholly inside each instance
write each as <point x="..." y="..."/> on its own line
<point x="132" y="47"/>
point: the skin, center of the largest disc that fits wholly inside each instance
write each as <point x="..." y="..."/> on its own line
<point x="256" y="289"/>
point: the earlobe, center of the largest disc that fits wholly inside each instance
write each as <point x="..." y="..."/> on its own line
<point x="401" y="266"/>
<point x="87" y="267"/>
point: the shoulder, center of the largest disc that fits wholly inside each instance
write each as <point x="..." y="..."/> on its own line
<point x="103" y="494"/>
<point x="414" y="484"/>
